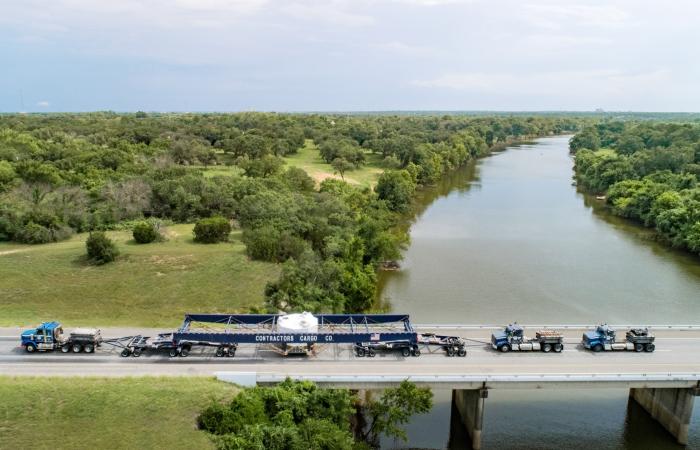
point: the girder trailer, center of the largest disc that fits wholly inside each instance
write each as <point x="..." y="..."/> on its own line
<point x="291" y="334"/>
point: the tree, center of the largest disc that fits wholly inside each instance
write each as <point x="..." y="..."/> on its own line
<point x="588" y="139"/>
<point x="212" y="230"/>
<point x="100" y="248"/>
<point x="396" y="187"/>
<point x="394" y="408"/>
<point x="340" y="166"/>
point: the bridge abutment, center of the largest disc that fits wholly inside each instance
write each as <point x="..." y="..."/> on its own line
<point x="470" y="405"/>
<point x="671" y="407"/>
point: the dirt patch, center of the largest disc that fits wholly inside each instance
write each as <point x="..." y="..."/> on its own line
<point x="320" y="176"/>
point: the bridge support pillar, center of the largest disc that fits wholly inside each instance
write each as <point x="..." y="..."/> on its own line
<point x="470" y="405"/>
<point x="671" y="407"/>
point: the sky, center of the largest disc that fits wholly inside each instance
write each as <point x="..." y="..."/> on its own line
<point x="349" y="55"/>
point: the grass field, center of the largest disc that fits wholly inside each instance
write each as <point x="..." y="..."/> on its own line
<point x="309" y="159"/>
<point x="106" y="413"/>
<point x="149" y="285"/>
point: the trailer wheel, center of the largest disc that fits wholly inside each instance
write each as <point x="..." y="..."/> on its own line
<point x="219" y="352"/>
<point x="558" y="348"/>
<point x="231" y="352"/>
<point x="416" y="351"/>
<point x="89" y="348"/>
<point x="547" y="348"/>
<point x="405" y="352"/>
<point x="505" y="348"/>
<point x="30" y="348"/>
<point x="450" y="351"/>
<point x="371" y="352"/>
<point x="638" y="347"/>
<point x="360" y="352"/>
<point x="173" y="352"/>
<point x="649" y="348"/>
<point x="136" y="353"/>
<point x="597" y="348"/>
<point x="125" y="353"/>
<point x="65" y="348"/>
<point x="184" y="352"/>
<point x="76" y="348"/>
<point x="462" y="352"/>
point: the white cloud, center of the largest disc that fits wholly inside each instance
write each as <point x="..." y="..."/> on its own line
<point x="558" y="16"/>
<point x="43" y="104"/>
<point x="402" y="48"/>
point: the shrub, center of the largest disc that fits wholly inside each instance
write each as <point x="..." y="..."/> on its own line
<point x="211" y="230"/>
<point x="33" y="233"/>
<point x="145" y="232"/>
<point x="269" y="244"/>
<point x="100" y="248"/>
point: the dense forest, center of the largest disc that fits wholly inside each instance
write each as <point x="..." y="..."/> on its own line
<point x="650" y="174"/>
<point x="67" y="173"/>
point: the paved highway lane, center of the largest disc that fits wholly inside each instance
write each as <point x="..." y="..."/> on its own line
<point x="676" y="352"/>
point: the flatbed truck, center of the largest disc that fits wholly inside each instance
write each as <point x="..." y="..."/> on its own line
<point x="603" y="338"/>
<point x="512" y="338"/>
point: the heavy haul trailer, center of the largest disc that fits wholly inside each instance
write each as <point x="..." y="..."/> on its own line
<point x="367" y="333"/>
<point x="512" y="338"/>
<point x="604" y="338"/>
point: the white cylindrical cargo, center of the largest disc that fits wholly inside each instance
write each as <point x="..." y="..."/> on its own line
<point x="297" y="323"/>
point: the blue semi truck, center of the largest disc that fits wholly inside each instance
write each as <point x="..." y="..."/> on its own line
<point x="604" y="338"/>
<point x="512" y="338"/>
<point x="49" y="336"/>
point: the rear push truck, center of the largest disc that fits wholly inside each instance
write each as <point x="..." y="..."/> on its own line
<point x="512" y="338"/>
<point x="604" y="338"/>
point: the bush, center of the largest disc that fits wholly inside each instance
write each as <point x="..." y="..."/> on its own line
<point x="145" y="232"/>
<point x="100" y="248"/>
<point x="33" y="233"/>
<point x="211" y="230"/>
<point x="269" y="244"/>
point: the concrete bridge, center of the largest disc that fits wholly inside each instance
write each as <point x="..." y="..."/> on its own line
<point x="664" y="383"/>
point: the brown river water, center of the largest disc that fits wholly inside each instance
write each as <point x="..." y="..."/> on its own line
<point x="509" y="238"/>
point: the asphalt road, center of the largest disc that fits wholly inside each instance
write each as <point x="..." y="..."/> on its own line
<point x="676" y="352"/>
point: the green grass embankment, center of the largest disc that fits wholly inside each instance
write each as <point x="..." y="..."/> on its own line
<point x="149" y="285"/>
<point x="106" y="413"/>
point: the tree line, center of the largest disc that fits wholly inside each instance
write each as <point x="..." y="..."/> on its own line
<point x="298" y="415"/>
<point x="649" y="171"/>
<point x="67" y="173"/>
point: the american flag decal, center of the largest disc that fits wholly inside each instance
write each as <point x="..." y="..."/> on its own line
<point x="374" y="337"/>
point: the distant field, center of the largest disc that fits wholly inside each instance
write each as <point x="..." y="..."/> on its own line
<point x="309" y="159"/>
<point x="150" y="285"/>
<point x="106" y="413"/>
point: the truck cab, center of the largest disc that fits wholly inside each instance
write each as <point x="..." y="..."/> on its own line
<point x="47" y="336"/>
<point x="504" y="341"/>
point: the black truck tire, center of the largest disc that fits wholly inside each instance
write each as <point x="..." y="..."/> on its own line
<point x="416" y="351"/>
<point x="405" y="352"/>
<point x="546" y="348"/>
<point x="185" y="351"/>
<point x="371" y="353"/>
<point x="125" y="353"/>
<point x="173" y="352"/>
<point x="638" y="347"/>
<point x="462" y="352"/>
<point x="219" y="352"/>
<point x="30" y="348"/>
<point x="231" y="352"/>
<point x="558" y="348"/>
<point x="598" y="348"/>
<point x="65" y="348"/>
<point x="360" y="352"/>
<point x="76" y="348"/>
<point x="649" y="348"/>
<point x="89" y="348"/>
<point x="136" y="353"/>
<point x="505" y="348"/>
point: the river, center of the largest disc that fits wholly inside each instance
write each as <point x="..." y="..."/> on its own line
<point x="509" y="238"/>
